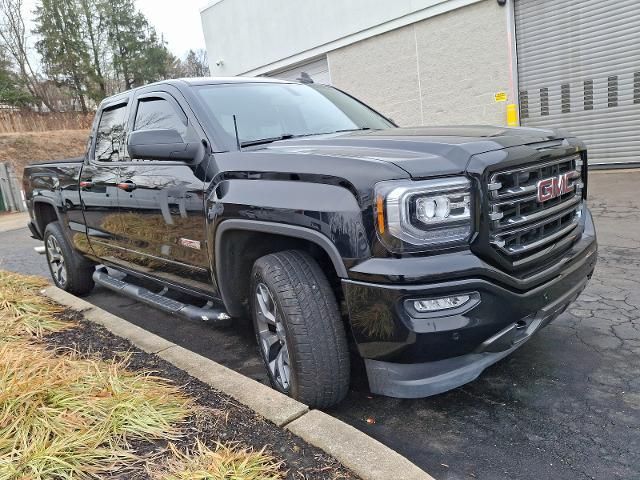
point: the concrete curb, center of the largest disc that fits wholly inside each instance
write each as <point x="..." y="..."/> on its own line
<point x="364" y="456"/>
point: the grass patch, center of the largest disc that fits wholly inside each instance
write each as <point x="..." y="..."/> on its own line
<point x="221" y="463"/>
<point x="24" y="311"/>
<point x="69" y="417"/>
<point x="24" y="148"/>
<point x="63" y="416"/>
<point x="66" y="416"/>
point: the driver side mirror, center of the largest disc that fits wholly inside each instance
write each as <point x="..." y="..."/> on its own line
<point x="161" y="144"/>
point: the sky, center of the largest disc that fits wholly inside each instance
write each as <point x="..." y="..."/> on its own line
<point x="178" y="21"/>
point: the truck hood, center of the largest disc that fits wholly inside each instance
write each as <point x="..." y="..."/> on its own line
<point x="420" y="151"/>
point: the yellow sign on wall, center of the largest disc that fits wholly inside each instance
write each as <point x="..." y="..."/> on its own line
<point x="500" y="96"/>
<point x="512" y="115"/>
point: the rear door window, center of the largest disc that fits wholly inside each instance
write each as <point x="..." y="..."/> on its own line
<point x="110" y="135"/>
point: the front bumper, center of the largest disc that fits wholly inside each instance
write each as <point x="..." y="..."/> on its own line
<point x="411" y="355"/>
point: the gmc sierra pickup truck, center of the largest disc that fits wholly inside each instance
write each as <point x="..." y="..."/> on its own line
<point x="430" y="253"/>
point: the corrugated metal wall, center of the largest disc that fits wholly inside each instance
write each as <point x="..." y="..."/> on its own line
<point x="11" y="198"/>
<point x="579" y="69"/>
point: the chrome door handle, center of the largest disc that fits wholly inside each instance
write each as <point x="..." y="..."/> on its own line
<point x="127" y="186"/>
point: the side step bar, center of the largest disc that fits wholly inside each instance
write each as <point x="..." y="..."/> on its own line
<point x="174" y="307"/>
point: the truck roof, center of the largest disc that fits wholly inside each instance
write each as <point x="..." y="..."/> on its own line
<point x="218" y="80"/>
<point x="181" y="82"/>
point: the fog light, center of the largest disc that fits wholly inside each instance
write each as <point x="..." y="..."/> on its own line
<point x="444" y="303"/>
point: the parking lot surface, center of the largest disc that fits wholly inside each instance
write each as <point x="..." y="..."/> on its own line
<point x="564" y="406"/>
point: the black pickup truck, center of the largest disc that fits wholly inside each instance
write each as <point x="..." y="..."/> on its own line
<point x="431" y="253"/>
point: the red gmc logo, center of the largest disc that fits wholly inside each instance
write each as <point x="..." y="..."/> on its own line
<point x="555" y="186"/>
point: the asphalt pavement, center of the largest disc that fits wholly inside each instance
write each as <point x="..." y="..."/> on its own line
<point x="564" y="406"/>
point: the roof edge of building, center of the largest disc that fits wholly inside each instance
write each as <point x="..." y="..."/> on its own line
<point x="314" y="53"/>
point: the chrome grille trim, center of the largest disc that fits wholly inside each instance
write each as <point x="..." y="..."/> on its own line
<point x="535" y="257"/>
<point x="524" y="219"/>
<point x="521" y="227"/>
<point x="533" y="167"/>
<point x="515" y="191"/>
<point x="522" y="248"/>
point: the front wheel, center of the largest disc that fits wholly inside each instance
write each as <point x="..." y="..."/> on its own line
<point x="299" y="328"/>
<point x="70" y="271"/>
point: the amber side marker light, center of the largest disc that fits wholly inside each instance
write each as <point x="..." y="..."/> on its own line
<point x="380" y="213"/>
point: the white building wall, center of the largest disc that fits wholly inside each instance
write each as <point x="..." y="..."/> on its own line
<point x="258" y="36"/>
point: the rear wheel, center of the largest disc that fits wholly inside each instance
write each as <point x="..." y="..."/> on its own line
<point x="70" y="271"/>
<point x="299" y="328"/>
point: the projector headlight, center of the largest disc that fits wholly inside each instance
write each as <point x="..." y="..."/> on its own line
<point x="415" y="216"/>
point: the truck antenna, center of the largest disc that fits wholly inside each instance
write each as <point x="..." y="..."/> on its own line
<point x="235" y="127"/>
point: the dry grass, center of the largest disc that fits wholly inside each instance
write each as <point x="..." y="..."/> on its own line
<point x="22" y="149"/>
<point x="222" y="463"/>
<point x="69" y="417"/>
<point x="28" y="121"/>
<point x="66" y="416"/>
<point x="63" y="416"/>
<point x="24" y="311"/>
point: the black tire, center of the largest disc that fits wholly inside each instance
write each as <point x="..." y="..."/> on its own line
<point x="315" y="339"/>
<point x="77" y="277"/>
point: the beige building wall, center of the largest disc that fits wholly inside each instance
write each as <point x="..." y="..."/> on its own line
<point x="442" y="70"/>
<point x="382" y="72"/>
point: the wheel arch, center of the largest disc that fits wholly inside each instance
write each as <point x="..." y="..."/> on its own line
<point x="45" y="211"/>
<point x="239" y="243"/>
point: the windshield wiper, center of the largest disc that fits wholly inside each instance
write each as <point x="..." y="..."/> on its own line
<point x="288" y="136"/>
<point x="261" y="141"/>
<point x="354" y="129"/>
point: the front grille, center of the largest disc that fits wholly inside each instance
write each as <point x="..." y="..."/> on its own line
<point x="522" y="228"/>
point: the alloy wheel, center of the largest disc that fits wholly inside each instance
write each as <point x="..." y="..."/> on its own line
<point x="272" y="337"/>
<point x="56" y="261"/>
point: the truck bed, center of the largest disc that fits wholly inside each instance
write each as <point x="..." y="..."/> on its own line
<point x="73" y="160"/>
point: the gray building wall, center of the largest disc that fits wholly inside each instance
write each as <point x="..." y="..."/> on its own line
<point x="442" y="70"/>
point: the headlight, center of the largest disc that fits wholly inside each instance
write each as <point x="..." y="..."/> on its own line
<point x="414" y="216"/>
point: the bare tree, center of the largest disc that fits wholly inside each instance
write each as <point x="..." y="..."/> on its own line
<point x="196" y="64"/>
<point x="13" y="35"/>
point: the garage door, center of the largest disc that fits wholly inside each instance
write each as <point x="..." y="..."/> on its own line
<point x="318" y="70"/>
<point x="579" y="69"/>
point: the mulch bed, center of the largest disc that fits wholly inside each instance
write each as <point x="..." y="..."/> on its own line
<point x="221" y="418"/>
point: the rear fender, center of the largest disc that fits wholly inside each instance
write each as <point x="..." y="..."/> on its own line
<point x="57" y="187"/>
<point x="42" y="219"/>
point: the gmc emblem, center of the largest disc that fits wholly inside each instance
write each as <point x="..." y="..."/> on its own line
<point x="555" y="186"/>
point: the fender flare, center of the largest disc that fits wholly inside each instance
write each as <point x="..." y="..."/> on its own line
<point x="48" y="201"/>
<point x="293" y="231"/>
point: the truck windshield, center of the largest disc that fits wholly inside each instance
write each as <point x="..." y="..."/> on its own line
<point x="267" y="112"/>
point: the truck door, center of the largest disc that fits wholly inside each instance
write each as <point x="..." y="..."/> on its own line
<point x="162" y="202"/>
<point x="98" y="190"/>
